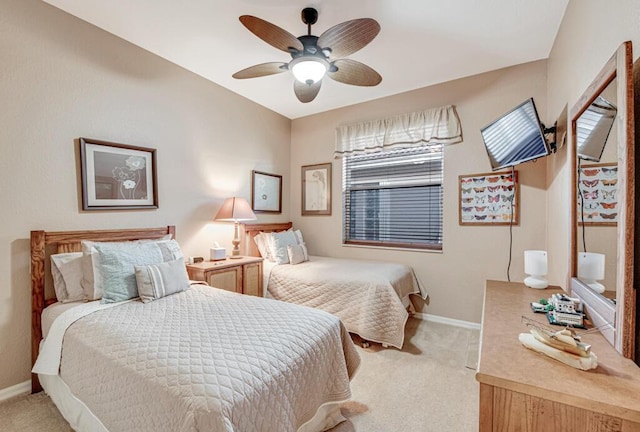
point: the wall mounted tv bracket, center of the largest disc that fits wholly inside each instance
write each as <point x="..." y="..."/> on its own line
<point x="550" y="136"/>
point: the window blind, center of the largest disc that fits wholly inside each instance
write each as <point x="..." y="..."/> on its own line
<point x="394" y="198"/>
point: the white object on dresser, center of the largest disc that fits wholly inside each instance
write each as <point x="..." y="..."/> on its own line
<point x="535" y="265"/>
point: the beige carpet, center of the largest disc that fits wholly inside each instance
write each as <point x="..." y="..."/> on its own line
<point x="428" y="386"/>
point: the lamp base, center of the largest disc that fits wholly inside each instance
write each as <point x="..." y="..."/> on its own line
<point x="596" y="286"/>
<point x="235" y="252"/>
<point x="536" y="282"/>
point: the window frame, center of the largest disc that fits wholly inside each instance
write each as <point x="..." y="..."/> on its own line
<point x="346" y="241"/>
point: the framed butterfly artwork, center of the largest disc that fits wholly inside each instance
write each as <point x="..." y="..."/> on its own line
<point x="598" y="194"/>
<point x="489" y="199"/>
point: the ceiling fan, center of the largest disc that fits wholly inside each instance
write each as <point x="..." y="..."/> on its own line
<point x="313" y="57"/>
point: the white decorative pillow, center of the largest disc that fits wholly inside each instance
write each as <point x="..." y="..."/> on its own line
<point x="298" y="235"/>
<point x="279" y="243"/>
<point x="160" y="280"/>
<point x="66" y="269"/>
<point x="92" y="283"/>
<point x="297" y="254"/>
<point x="261" y="241"/>
<point x="91" y="292"/>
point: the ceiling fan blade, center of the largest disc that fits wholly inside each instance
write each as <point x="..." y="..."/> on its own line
<point x="305" y="92"/>
<point x="354" y="73"/>
<point x="350" y="36"/>
<point x="261" y="70"/>
<point x="271" y="34"/>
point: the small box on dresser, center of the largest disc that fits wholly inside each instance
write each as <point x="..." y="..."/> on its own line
<point x="242" y="275"/>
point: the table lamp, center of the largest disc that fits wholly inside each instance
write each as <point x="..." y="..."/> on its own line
<point x="591" y="269"/>
<point x="235" y="210"/>
<point x="535" y="265"/>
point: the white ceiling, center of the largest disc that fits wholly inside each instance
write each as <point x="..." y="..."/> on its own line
<point x="421" y="43"/>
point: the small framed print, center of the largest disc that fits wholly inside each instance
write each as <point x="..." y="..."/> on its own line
<point x="266" y="192"/>
<point x="117" y="176"/>
<point x="489" y="199"/>
<point x="598" y="194"/>
<point x="316" y="190"/>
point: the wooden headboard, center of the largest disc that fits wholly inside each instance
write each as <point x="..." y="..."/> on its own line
<point x="46" y="243"/>
<point x="252" y="230"/>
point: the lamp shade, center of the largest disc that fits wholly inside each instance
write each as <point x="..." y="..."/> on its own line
<point x="591" y="266"/>
<point x="535" y="265"/>
<point x="535" y="262"/>
<point x="235" y="209"/>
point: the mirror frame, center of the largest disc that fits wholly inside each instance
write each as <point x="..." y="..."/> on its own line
<point x="622" y="336"/>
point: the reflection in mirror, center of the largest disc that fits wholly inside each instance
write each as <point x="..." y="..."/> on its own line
<point x="597" y="141"/>
<point x="603" y="198"/>
<point x="594" y="125"/>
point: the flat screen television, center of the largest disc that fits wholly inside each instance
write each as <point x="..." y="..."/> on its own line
<point x="515" y="137"/>
<point x="593" y="128"/>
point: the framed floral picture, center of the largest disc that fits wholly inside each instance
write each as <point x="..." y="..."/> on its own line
<point x="117" y="176"/>
<point x="266" y="192"/>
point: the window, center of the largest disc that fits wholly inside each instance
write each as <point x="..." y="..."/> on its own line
<point x="394" y="198"/>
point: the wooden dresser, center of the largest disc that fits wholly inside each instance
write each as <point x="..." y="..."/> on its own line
<point x="242" y="275"/>
<point x="522" y="390"/>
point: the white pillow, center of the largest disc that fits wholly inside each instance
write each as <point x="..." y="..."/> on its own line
<point x="298" y="235"/>
<point x="66" y="269"/>
<point x="279" y="243"/>
<point x="160" y="280"/>
<point x="297" y="254"/>
<point x="261" y="241"/>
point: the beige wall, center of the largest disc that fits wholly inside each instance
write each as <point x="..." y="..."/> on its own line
<point x="61" y="79"/>
<point x="590" y="33"/>
<point x="454" y="278"/>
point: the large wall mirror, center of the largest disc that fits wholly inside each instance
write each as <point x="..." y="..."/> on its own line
<point x="603" y="196"/>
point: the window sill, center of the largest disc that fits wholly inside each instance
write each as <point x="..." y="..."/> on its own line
<point x="396" y="248"/>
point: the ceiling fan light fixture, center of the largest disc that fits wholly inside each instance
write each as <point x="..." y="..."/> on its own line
<point x="309" y="69"/>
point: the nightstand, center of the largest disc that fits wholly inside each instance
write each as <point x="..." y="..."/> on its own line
<point x="241" y="275"/>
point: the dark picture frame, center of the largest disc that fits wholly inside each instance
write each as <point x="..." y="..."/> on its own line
<point x="488" y="198"/>
<point x="266" y="192"/>
<point x="117" y="176"/>
<point x="316" y="190"/>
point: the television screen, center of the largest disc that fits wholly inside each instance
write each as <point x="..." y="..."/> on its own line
<point x="515" y="137"/>
<point x="593" y="128"/>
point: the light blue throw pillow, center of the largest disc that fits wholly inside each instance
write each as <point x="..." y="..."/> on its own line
<point x="117" y="261"/>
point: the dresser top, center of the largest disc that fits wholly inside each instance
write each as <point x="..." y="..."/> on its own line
<point x="612" y="388"/>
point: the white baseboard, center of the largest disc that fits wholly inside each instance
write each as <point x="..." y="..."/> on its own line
<point x="15" y="390"/>
<point x="445" y="320"/>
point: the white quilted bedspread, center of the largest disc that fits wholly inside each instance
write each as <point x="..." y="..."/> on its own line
<point x="207" y="360"/>
<point x="365" y="295"/>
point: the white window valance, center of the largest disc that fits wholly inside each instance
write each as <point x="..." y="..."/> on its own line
<point x="433" y="126"/>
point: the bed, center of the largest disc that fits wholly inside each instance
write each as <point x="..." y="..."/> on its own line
<point x="370" y="298"/>
<point x="199" y="359"/>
